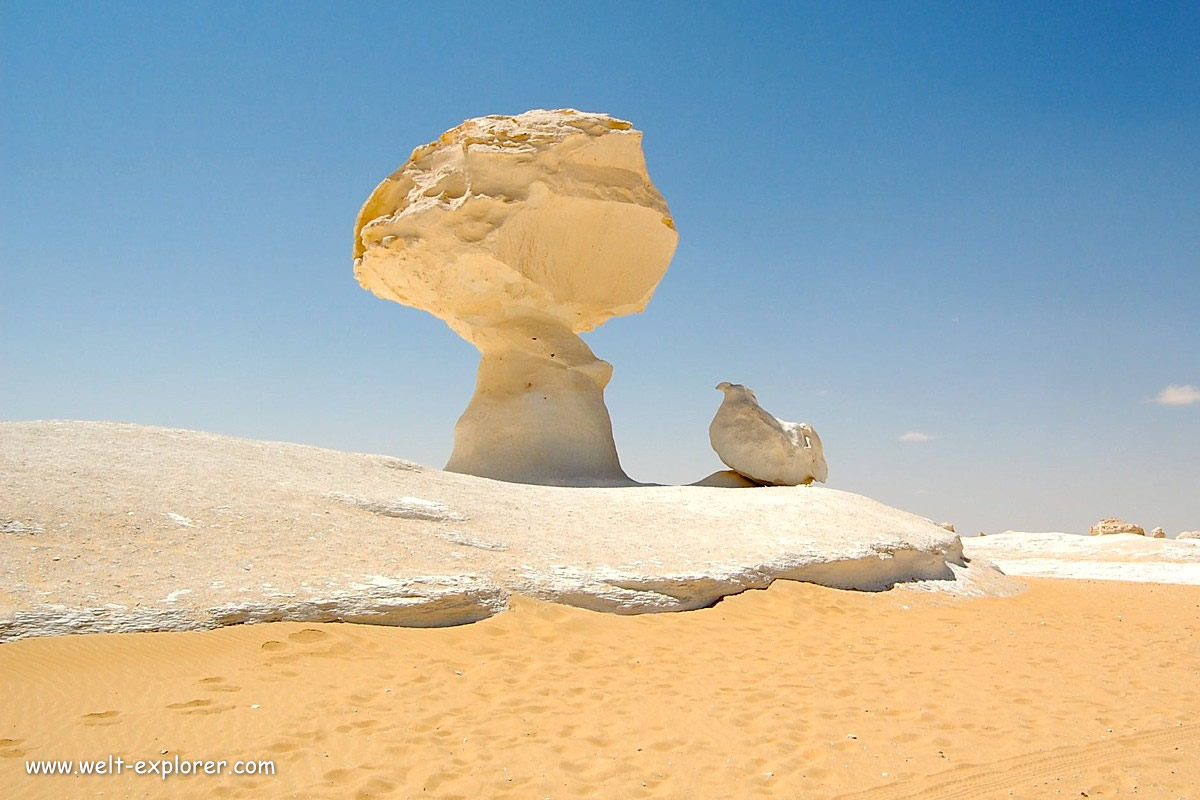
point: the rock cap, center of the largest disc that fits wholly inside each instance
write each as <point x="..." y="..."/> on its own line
<point x="546" y="214"/>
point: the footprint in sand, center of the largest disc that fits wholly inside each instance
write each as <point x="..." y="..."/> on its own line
<point x="274" y="646"/>
<point x="217" y="684"/>
<point x="101" y="718"/>
<point x="375" y="787"/>
<point x="9" y="749"/>
<point x="308" y="636"/>
<point x="338" y="649"/>
<point x="667" y="745"/>
<point x="199" y="707"/>
<point x="191" y="704"/>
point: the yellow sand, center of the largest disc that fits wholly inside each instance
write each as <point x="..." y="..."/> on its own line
<point x="1074" y="689"/>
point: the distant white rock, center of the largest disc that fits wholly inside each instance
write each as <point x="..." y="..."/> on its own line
<point x="947" y="525"/>
<point x="1118" y="557"/>
<point x="761" y="447"/>
<point x="1157" y="533"/>
<point x="1189" y="535"/>
<point x="1111" y="525"/>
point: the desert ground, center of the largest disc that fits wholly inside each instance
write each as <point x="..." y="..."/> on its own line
<point x="1070" y="689"/>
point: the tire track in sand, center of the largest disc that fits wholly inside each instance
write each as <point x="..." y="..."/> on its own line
<point x="969" y="781"/>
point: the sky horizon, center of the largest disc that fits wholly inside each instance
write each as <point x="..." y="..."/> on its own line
<point x="961" y="241"/>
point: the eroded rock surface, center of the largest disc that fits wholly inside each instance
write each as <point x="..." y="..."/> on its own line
<point x="280" y="531"/>
<point x="761" y="447"/>
<point x="727" y="479"/>
<point x="1112" y="525"/>
<point x="520" y="232"/>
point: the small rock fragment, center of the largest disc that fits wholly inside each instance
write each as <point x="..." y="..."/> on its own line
<point x="402" y="507"/>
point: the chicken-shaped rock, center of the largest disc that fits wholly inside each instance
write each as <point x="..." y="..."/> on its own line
<point x="761" y="447"/>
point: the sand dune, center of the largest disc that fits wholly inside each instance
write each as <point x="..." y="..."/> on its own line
<point x="1072" y="689"/>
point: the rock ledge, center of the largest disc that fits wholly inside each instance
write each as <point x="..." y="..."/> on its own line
<point x="115" y="527"/>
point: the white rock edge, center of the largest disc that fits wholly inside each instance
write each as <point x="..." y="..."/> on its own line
<point x="458" y="600"/>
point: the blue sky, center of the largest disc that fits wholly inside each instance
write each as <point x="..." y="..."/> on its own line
<point x="975" y="221"/>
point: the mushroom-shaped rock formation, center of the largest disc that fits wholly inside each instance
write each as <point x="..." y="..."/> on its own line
<point x="519" y="233"/>
<point x="761" y="447"/>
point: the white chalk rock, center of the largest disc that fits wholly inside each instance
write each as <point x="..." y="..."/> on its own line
<point x="290" y="532"/>
<point x="1068" y="555"/>
<point x="1112" y="525"/>
<point x="949" y="526"/>
<point x="1189" y="535"/>
<point x="726" y="479"/>
<point x="1157" y="533"/>
<point x="520" y="232"/>
<point x="761" y="447"/>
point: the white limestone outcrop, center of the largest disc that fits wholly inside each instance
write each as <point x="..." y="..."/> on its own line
<point x="1188" y="535"/>
<point x="761" y="447"/>
<point x="1117" y="557"/>
<point x="287" y="532"/>
<point x="520" y="232"/>
<point x="1157" y="533"/>
<point x="1111" y="525"/>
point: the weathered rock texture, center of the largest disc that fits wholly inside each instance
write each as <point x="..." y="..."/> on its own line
<point x="107" y="527"/>
<point x="1112" y="525"/>
<point x="1189" y="535"/>
<point x="1157" y="533"/>
<point x="761" y="447"/>
<point x="521" y="232"/>
<point x="727" y="479"/>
